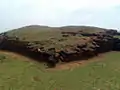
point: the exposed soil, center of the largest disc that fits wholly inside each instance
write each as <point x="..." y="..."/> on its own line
<point x="71" y="65"/>
<point x="61" y="66"/>
<point x="16" y="56"/>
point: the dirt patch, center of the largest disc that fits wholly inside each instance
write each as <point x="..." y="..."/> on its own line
<point x="36" y="78"/>
<point x="16" y="56"/>
<point x="62" y="66"/>
<point x="71" y="65"/>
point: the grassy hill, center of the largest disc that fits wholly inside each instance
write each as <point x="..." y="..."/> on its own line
<point x="87" y="29"/>
<point x="18" y="72"/>
<point x="49" y="37"/>
<point x="33" y="33"/>
<point x="36" y="32"/>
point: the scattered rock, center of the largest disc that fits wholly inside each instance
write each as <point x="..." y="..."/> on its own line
<point x="98" y="43"/>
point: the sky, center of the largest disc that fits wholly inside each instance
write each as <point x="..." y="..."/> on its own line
<point x="100" y="13"/>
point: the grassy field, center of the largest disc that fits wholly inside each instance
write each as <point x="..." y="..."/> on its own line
<point x="20" y="73"/>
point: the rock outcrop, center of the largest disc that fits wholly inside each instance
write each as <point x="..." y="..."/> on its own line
<point x="97" y="43"/>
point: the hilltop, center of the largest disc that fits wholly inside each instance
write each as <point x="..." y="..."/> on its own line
<point x="50" y="37"/>
<point x="59" y="44"/>
<point x="37" y="32"/>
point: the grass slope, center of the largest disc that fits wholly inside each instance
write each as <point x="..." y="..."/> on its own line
<point x="50" y="37"/>
<point x="18" y="73"/>
<point x="34" y="33"/>
<point x="37" y="33"/>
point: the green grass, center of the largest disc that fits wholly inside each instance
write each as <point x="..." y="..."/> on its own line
<point x="47" y="37"/>
<point x="51" y="37"/>
<point x="35" y="35"/>
<point x="36" y="32"/>
<point x="117" y="36"/>
<point x="18" y="74"/>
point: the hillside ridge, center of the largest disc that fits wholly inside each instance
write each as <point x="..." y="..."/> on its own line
<point x="55" y="45"/>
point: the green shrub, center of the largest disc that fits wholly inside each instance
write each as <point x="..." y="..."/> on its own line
<point x="2" y="58"/>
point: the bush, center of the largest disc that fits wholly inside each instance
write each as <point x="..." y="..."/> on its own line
<point x="2" y="57"/>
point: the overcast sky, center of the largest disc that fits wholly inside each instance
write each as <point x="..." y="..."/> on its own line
<point x="18" y="13"/>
